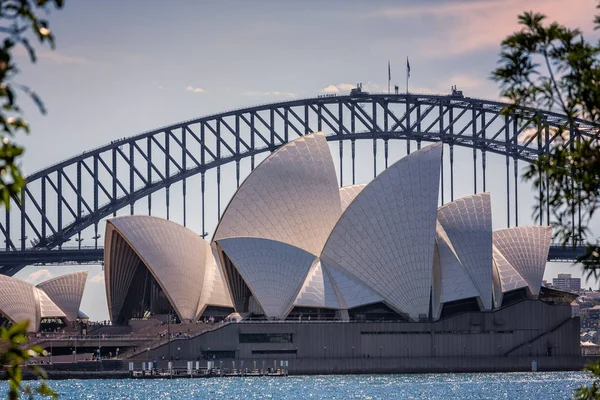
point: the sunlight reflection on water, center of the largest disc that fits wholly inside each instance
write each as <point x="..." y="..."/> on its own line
<point x="551" y="385"/>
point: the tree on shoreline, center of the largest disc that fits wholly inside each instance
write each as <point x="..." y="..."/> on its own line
<point x="553" y="67"/>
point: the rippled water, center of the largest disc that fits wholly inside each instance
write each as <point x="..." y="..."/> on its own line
<point x="552" y="385"/>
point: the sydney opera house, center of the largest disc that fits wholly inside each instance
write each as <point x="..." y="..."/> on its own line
<point x="53" y="302"/>
<point x="293" y="247"/>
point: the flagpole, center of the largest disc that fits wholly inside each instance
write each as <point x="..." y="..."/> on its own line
<point x="407" y="74"/>
<point x="389" y="76"/>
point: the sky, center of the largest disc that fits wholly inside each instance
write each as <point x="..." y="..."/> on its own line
<point x="125" y="67"/>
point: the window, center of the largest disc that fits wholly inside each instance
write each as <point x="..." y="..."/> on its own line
<point x="274" y="352"/>
<point x="266" y="337"/>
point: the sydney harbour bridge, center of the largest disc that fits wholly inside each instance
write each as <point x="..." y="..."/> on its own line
<point x="58" y="218"/>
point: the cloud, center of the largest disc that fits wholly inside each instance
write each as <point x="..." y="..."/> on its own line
<point x="467" y="26"/>
<point x="346" y="86"/>
<point x="53" y="56"/>
<point x="330" y="89"/>
<point x="195" y="89"/>
<point x="98" y="278"/>
<point x="341" y="87"/>
<point x="38" y="276"/>
<point x="62" y="58"/>
<point x="274" y="93"/>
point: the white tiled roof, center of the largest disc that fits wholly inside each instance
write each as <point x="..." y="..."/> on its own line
<point x="318" y="290"/>
<point x="66" y="292"/>
<point x="174" y="255"/>
<point x="48" y="308"/>
<point x="455" y="283"/>
<point x="353" y="293"/>
<point x="385" y="237"/>
<point x="348" y="193"/>
<point x="274" y="271"/>
<point x="526" y="248"/>
<point x="468" y="225"/>
<point x="291" y="197"/>
<point x="19" y="302"/>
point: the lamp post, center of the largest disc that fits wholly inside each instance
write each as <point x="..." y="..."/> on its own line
<point x="178" y="350"/>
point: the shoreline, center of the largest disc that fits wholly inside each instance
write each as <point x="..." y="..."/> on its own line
<point x="298" y="367"/>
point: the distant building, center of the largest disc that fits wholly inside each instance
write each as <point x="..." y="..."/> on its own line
<point x="589" y="336"/>
<point x="564" y="281"/>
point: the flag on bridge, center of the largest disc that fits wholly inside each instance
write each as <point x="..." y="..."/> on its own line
<point x="407" y="68"/>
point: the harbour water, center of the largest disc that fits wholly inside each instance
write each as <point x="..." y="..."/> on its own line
<point x="531" y="386"/>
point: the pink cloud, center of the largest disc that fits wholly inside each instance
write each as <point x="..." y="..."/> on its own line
<point x="38" y="276"/>
<point x="464" y="27"/>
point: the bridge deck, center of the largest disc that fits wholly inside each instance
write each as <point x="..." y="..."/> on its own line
<point x="69" y="256"/>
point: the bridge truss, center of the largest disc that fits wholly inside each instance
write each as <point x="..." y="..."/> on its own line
<point x="74" y="197"/>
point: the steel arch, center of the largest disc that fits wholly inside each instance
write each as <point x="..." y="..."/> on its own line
<point x="65" y="198"/>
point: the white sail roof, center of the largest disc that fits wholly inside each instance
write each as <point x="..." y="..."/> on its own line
<point x="510" y="279"/>
<point x="48" y="309"/>
<point x="19" y="302"/>
<point x="526" y="248"/>
<point x="352" y="292"/>
<point x="318" y="290"/>
<point x="66" y="292"/>
<point x="467" y="223"/>
<point x="455" y="282"/>
<point x="273" y="271"/>
<point x="214" y="291"/>
<point x="385" y="237"/>
<point x="292" y="197"/>
<point x="348" y="193"/>
<point x="174" y="255"/>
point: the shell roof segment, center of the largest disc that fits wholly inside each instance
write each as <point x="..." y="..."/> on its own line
<point x="174" y="255"/>
<point x="214" y="291"/>
<point x="468" y="225"/>
<point x="66" y="292"/>
<point x="526" y="248"/>
<point x="455" y="282"/>
<point x="19" y="302"/>
<point x="385" y="237"/>
<point x="318" y="290"/>
<point x="510" y="279"/>
<point x="48" y="309"/>
<point x="348" y="193"/>
<point x="352" y="292"/>
<point x="291" y="197"/>
<point x="274" y="271"/>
